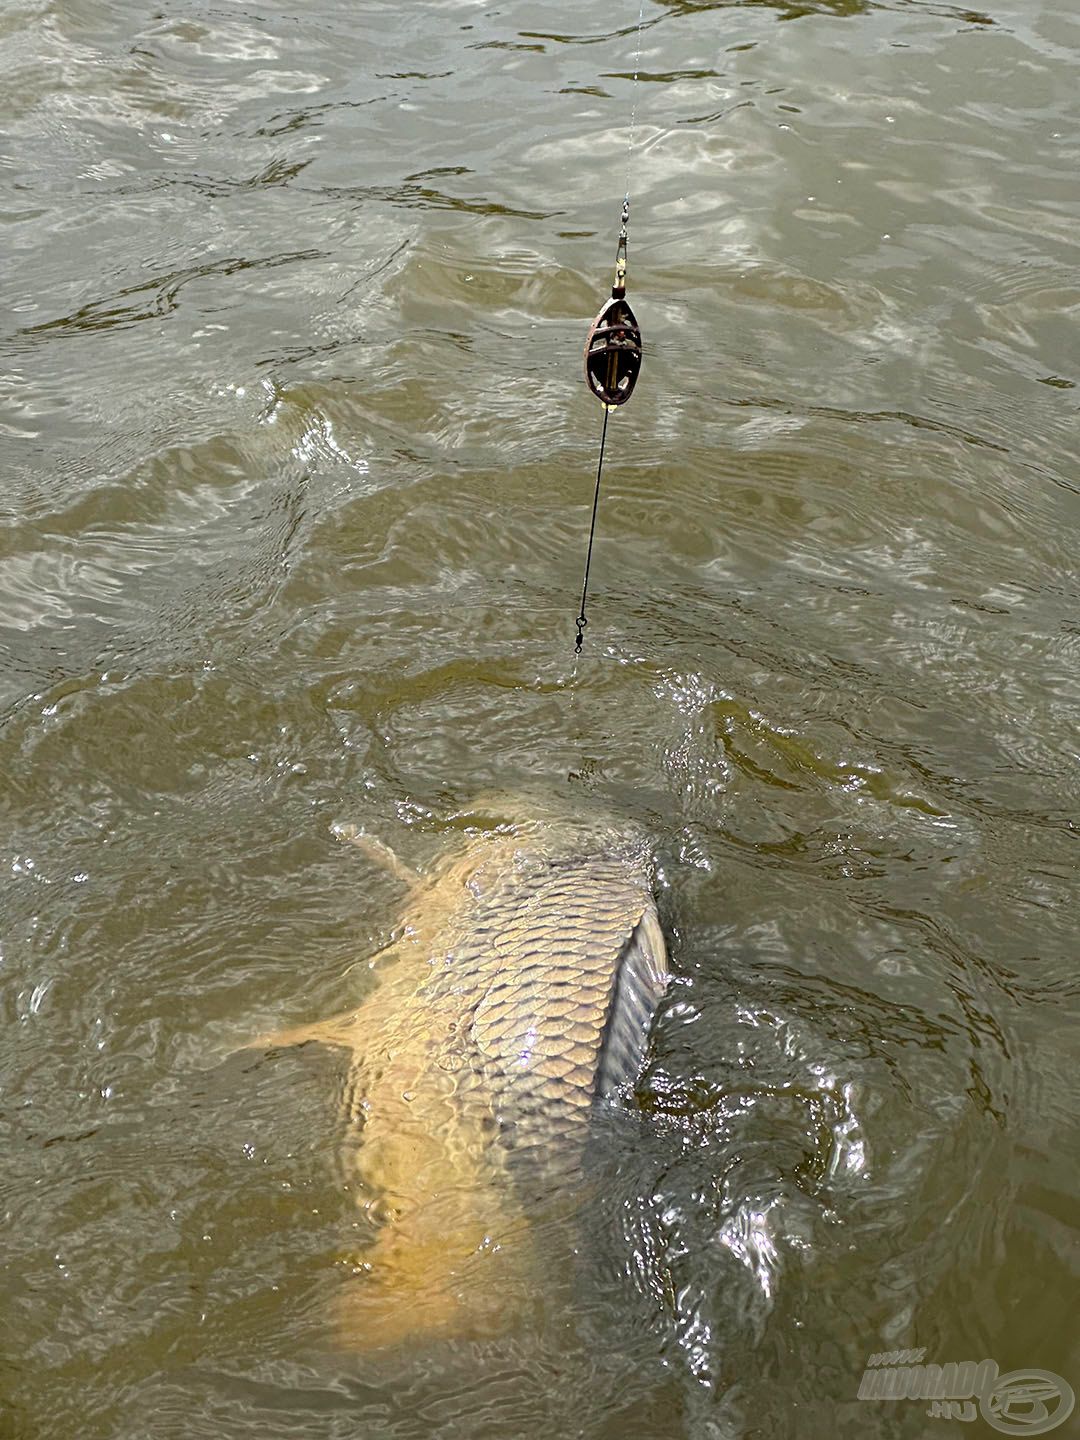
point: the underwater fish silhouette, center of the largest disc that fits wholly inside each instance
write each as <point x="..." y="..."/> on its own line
<point x="518" y="992"/>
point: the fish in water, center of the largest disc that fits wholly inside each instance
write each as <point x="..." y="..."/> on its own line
<point x="517" y="993"/>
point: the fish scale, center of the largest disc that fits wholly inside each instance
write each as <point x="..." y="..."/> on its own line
<point x="565" y="929"/>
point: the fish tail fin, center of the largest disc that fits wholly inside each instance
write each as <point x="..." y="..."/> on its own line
<point x="410" y="1288"/>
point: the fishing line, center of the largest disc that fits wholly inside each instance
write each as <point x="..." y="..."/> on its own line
<point x="581" y="621"/>
<point x="613" y="348"/>
<point x="634" y="95"/>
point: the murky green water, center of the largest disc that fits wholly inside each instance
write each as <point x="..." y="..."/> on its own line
<point x="297" y="468"/>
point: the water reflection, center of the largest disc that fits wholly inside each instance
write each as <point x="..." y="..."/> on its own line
<point x="298" y="481"/>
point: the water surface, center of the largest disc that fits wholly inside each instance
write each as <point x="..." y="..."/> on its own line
<point x="297" y="473"/>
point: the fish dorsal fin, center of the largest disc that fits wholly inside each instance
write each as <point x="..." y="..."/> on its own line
<point x="640" y="982"/>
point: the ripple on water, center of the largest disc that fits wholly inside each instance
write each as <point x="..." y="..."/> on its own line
<point x="295" y="511"/>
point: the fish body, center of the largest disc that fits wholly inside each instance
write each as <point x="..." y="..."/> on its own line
<point x="518" y="993"/>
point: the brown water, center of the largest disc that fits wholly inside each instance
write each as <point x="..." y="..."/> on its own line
<point x="297" y="470"/>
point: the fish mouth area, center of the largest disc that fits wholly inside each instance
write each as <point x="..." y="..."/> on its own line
<point x="522" y="854"/>
<point x="527" y="830"/>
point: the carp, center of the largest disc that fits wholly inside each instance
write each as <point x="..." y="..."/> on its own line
<point x="517" y="993"/>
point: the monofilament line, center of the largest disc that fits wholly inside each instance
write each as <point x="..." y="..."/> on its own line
<point x="634" y="96"/>
<point x="613" y="347"/>
<point x="581" y="621"/>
